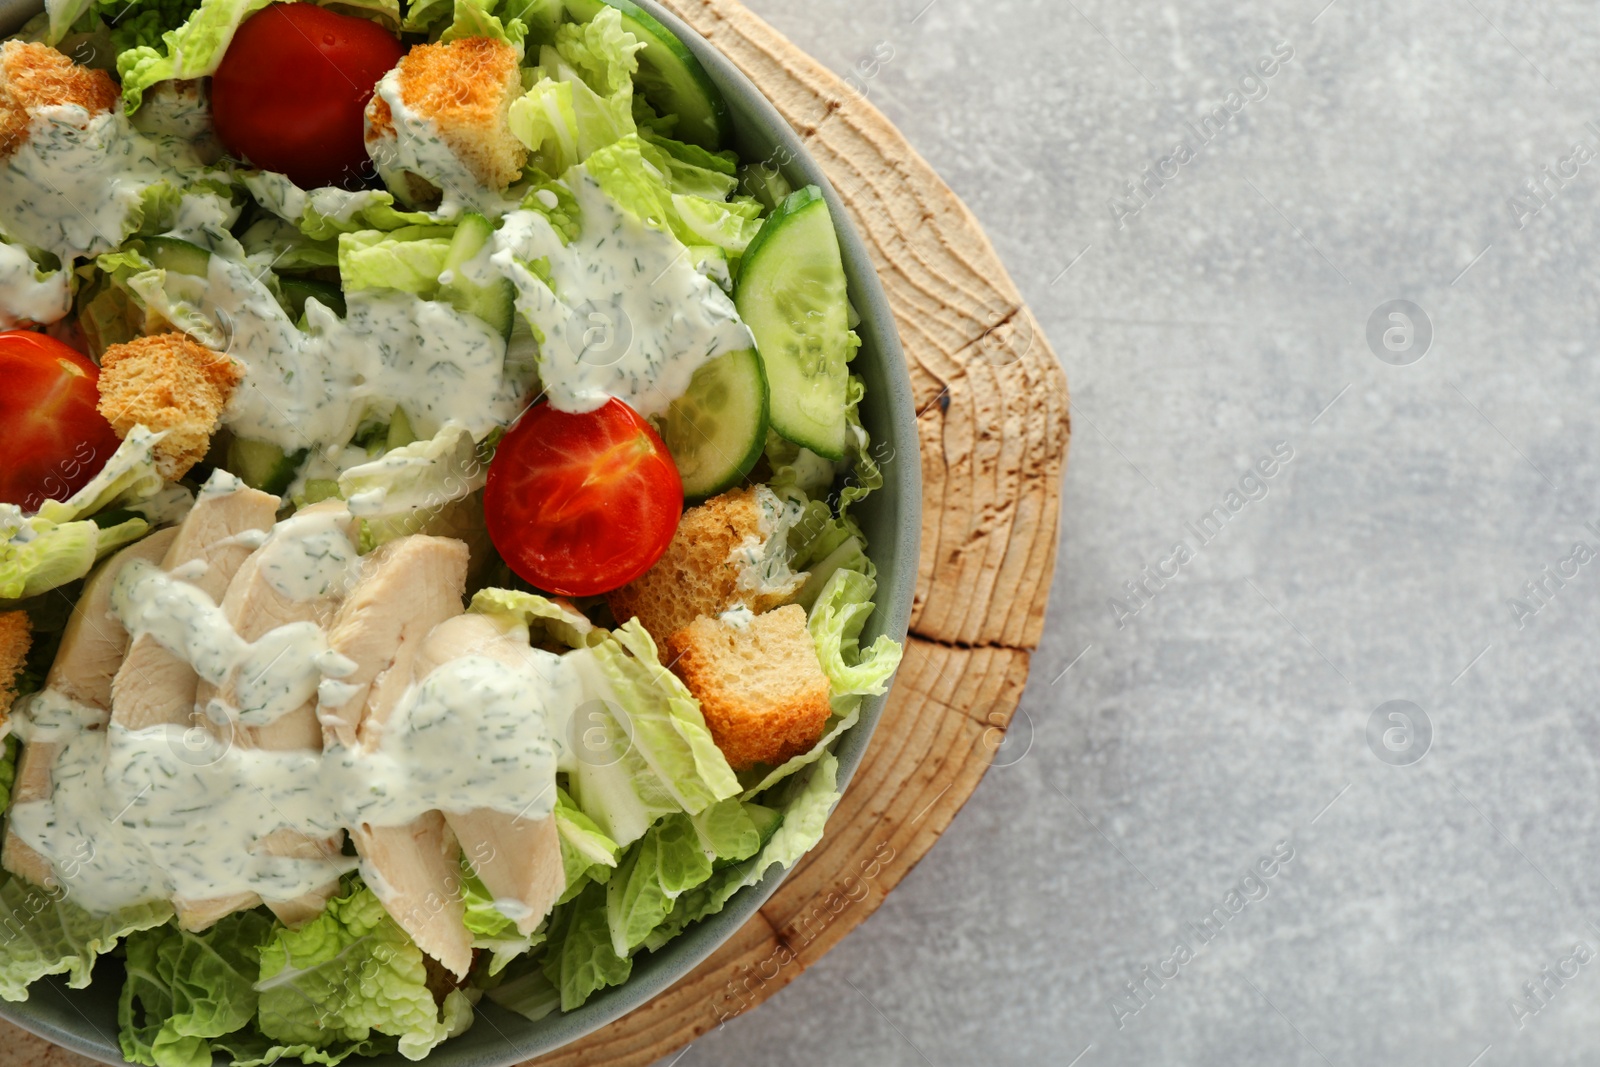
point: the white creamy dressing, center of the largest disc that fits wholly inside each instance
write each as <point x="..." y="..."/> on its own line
<point x="417" y="146"/>
<point x="180" y="109"/>
<point x="29" y="296"/>
<point x="309" y="556"/>
<point x="169" y="811"/>
<point x="289" y="202"/>
<point x="312" y="388"/>
<point x="763" y="562"/>
<point x="625" y="314"/>
<point x="272" y="675"/>
<point x="74" y="185"/>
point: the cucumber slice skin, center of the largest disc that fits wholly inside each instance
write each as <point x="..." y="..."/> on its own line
<point x="263" y="466"/>
<point x="494" y="303"/>
<point x="669" y="76"/>
<point x="178" y="256"/>
<point x="296" y="291"/>
<point x="717" y="431"/>
<point x="798" y="248"/>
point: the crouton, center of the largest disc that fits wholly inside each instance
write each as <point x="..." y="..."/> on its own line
<point x="730" y="550"/>
<point x="466" y="88"/>
<point x="33" y="76"/>
<point x="167" y="382"/>
<point x="759" y="683"/>
<point x="16" y="635"/>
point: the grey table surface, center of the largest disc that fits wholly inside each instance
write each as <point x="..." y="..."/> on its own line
<point x="1184" y="734"/>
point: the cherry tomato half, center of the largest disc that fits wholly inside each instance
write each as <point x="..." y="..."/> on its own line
<point x="291" y="89"/>
<point x="55" y="440"/>
<point x="582" y="504"/>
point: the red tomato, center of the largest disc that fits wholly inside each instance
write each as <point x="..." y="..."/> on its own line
<point x="582" y="504"/>
<point x="292" y="87"/>
<point x="55" y="440"/>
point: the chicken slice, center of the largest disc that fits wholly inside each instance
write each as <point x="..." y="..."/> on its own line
<point x="254" y="604"/>
<point x="92" y="645"/>
<point x="153" y="687"/>
<point x="407" y="588"/>
<point x="516" y="857"/>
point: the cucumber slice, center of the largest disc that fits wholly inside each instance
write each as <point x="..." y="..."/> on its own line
<point x="492" y="299"/>
<point x="180" y="257"/>
<point x="716" y="431"/>
<point x="263" y="466"/>
<point x="296" y="291"/>
<point x="792" y="295"/>
<point x="669" y="75"/>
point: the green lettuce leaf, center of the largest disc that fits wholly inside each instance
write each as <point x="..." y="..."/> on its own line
<point x="250" y="1048"/>
<point x="610" y="780"/>
<point x="601" y="51"/>
<point x="804" y="808"/>
<point x="491" y="930"/>
<point x="666" y="862"/>
<point x="193" y="50"/>
<point x="8" y="771"/>
<point x="563" y="118"/>
<point x="283" y="247"/>
<point x="846" y="713"/>
<point x="727" y="832"/>
<point x="350" y="973"/>
<point x="386" y="12"/>
<point x="43" y="933"/>
<point x="587" y="854"/>
<point x="527" y="991"/>
<point x="129" y="475"/>
<point x="420" y="476"/>
<point x="544" y="618"/>
<point x="183" y="989"/>
<point x="668" y="729"/>
<point x="476" y="18"/>
<point x="835" y="623"/>
<point x="866" y="477"/>
<point x="545" y="120"/>
<point x="581" y="959"/>
<point x="60" y="542"/>
<point x="323" y="214"/>
<point x="409" y="259"/>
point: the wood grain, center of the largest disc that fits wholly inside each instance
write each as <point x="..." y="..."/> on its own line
<point x="993" y="426"/>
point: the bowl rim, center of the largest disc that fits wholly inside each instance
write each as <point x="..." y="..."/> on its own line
<point x="895" y="510"/>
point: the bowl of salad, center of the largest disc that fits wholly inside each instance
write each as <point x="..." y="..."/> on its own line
<point x="453" y="553"/>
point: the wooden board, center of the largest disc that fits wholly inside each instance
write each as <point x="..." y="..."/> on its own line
<point x="994" y="427"/>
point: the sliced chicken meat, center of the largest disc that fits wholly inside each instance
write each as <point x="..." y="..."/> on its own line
<point x="516" y="857"/>
<point x="92" y="646"/>
<point x="255" y="603"/>
<point x="153" y="687"/>
<point x="407" y="587"/>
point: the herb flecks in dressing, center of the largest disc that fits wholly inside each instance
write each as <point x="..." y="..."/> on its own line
<point x="623" y="314"/>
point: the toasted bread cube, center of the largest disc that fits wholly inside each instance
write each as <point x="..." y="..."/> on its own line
<point x="16" y="634"/>
<point x="759" y="682"/>
<point x="712" y="564"/>
<point x="466" y="87"/>
<point x="33" y="76"/>
<point x="168" y="382"/>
